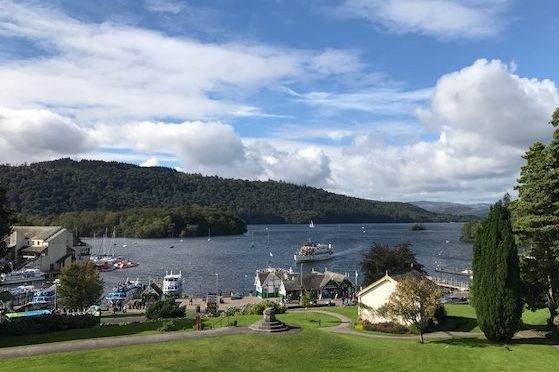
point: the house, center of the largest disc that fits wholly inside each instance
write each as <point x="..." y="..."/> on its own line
<point x="375" y="295"/>
<point x="48" y="248"/>
<point x="282" y="283"/>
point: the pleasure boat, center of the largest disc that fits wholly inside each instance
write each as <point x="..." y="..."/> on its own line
<point x="172" y="284"/>
<point x="125" y="264"/>
<point x="44" y="298"/>
<point x="311" y="251"/>
<point x="124" y="292"/>
<point x="22" y="276"/>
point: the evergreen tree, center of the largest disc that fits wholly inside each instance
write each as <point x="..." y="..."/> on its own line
<point x="537" y="224"/>
<point x="496" y="284"/>
<point x="5" y="222"/>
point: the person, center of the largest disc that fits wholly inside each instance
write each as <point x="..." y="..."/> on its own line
<point x="124" y="309"/>
<point x="114" y="309"/>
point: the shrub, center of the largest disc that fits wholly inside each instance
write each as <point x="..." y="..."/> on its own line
<point x="387" y="327"/>
<point x="169" y="326"/>
<point x="165" y="309"/>
<point x="47" y="323"/>
<point x="306" y="299"/>
<point x="258" y="309"/>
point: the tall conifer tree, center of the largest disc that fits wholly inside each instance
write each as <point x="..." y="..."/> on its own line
<point x="5" y="222"/>
<point x="496" y="285"/>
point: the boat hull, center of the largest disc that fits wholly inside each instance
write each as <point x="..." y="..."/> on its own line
<point x="311" y="258"/>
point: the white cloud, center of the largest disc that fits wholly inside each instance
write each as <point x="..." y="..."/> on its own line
<point x="151" y="162"/>
<point x="444" y="19"/>
<point x="28" y="135"/>
<point x="109" y="72"/>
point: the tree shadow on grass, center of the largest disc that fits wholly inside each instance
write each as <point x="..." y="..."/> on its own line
<point x="459" y="324"/>
<point x="464" y="342"/>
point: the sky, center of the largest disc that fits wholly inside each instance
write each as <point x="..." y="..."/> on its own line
<point x="396" y="100"/>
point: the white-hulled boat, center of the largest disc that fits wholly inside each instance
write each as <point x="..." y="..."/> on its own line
<point x="172" y="284"/>
<point x="311" y="251"/>
<point x="22" y="276"/>
<point x="44" y="298"/>
<point x="124" y="292"/>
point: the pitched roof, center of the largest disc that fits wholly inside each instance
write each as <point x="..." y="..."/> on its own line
<point x="37" y="232"/>
<point x="395" y="279"/>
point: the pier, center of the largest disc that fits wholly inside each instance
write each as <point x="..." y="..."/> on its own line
<point x="451" y="283"/>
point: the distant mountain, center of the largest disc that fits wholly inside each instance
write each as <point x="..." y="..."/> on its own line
<point x="478" y="210"/>
<point x="54" y="187"/>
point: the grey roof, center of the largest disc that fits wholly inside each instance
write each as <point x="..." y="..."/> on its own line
<point x="314" y="280"/>
<point x="412" y="273"/>
<point x="35" y="249"/>
<point x="262" y="276"/>
<point x="37" y="232"/>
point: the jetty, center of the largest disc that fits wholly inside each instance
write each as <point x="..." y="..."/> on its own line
<point x="451" y="283"/>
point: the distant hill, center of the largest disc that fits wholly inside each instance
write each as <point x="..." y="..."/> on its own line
<point x="65" y="185"/>
<point x="478" y="210"/>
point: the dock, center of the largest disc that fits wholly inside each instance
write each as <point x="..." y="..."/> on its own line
<point x="450" y="283"/>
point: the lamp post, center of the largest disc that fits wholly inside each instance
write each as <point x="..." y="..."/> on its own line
<point x="216" y="283"/>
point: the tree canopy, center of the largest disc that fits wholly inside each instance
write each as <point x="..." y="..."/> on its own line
<point x="537" y="223"/>
<point x="381" y="258"/>
<point x="80" y="285"/>
<point x="496" y="284"/>
<point x="5" y="222"/>
<point x="414" y="301"/>
<point x="56" y="187"/>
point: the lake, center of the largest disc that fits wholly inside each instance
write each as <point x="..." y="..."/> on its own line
<point x="234" y="260"/>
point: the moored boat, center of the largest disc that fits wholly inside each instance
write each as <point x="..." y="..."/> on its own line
<point x="124" y="292"/>
<point x="311" y="251"/>
<point x="22" y="276"/>
<point x="172" y="284"/>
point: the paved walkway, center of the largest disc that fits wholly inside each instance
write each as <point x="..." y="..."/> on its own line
<point x="95" y="343"/>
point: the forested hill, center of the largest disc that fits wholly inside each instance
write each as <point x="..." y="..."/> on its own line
<point x="64" y="185"/>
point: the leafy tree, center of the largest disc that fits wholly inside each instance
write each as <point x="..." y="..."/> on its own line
<point x="168" y="308"/>
<point x="414" y="301"/>
<point x="80" y="285"/>
<point x="306" y="299"/>
<point x="469" y="230"/>
<point x="496" y="284"/>
<point x="5" y="222"/>
<point x="381" y="258"/>
<point x="537" y="224"/>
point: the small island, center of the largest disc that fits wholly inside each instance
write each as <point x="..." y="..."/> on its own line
<point x="418" y="227"/>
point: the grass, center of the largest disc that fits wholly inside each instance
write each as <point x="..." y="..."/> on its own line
<point x="308" y="350"/>
<point x="120" y="315"/>
<point x="349" y="311"/>
<point x="310" y="320"/>
<point x="96" y="332"/>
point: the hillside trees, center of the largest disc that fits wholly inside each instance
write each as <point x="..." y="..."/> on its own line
<point x="496" y="284"/>
<point x="380" y="258"/>
<point x="5" y="222"/>
<point x="537" y="224"/>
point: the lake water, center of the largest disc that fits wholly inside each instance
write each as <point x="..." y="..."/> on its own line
<point x="234" y="260"/>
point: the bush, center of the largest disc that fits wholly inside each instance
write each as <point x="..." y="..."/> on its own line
<point x="169" y="326"/>
<point x="47" y="323"/>
<point x="387" y="327"/>
<point x="306" y="299"/>
<point x="165" y="309"/>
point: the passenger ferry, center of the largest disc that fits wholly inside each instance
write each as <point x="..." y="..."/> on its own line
<point x="172" y="284"/>
<point x="22" y="276"/>
<point x="311" y="251"/>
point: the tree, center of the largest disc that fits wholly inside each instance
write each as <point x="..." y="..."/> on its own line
<point x="5" y="222"/>
<point x="537" y="224"/>
<point x="381" y="258"/>
<point x="80" y="285"/>
<point x="414" y="301"/>
<point x="496" y="284"/>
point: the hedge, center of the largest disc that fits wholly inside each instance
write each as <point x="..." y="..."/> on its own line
<point x="47" y="323"/>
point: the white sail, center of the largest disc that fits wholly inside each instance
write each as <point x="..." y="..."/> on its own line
<point x="311" y="225"/>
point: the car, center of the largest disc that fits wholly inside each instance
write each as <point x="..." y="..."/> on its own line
<point x="236" y="296"/>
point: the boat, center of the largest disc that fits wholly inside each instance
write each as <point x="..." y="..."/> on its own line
<point x="311" y="251"/>
<point x="105" y="266"/>
<point x="124" y="292"/>
<point x="466" y="272"/>
<point x="44" y="298"/>
<point x="124" y="264"/>
<point x="22" y="276"/>
<point x="105" y="256"/>
<point x="209" y="234"/>
<point x="172" y="284"/>
<point x="311" y="225"/>
<point x="22" y="294"/>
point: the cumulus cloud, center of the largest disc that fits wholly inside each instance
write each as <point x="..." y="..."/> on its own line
<point x="29" y="135"/>
<point x="151" y="162"/>
<point x="486" y="117"/>
<point x="444" y="19"/>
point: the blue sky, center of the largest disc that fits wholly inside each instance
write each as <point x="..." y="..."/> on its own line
<point x="389" y="100"/>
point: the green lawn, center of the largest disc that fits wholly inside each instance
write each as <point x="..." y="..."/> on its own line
<point x="308" y="350"/>
<point x="349" y="311"/>
<point x="309" y="319"/>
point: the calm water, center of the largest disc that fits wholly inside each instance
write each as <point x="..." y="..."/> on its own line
<point x="235" y="261"/>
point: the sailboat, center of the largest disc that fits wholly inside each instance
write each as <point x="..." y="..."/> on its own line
<point x="311" y="225"/>
<point x="252" y="239"/>
<point x="209" y="234"/>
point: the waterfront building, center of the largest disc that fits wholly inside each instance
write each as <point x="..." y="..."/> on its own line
<point x="287" y="284"/>
<point x="375" y="295"/>
<point x="47" y="248"/>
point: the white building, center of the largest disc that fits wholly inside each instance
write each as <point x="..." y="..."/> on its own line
<point x="50" y="248"/>
<point x="375" y="295"/>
